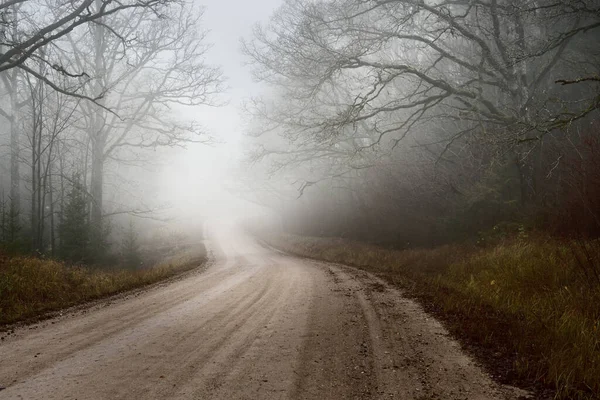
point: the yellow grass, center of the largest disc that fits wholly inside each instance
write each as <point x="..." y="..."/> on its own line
<point x="32" y="286"/>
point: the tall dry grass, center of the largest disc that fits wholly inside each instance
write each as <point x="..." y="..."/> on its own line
<point x="32" y="286"/>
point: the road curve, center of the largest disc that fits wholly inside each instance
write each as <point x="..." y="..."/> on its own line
<point x="257" y="324"/>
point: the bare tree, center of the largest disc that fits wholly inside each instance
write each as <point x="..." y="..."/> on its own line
<point x="46" y="119"/>
<point x="90" y="84"/>
<point x="421" y="119"/>
<point x="41" y="23"/>
<point x="143" y="67"/>
<point x="11" y="82"/>
<point x="30" y="33"/>
<point x="380" y="69"/>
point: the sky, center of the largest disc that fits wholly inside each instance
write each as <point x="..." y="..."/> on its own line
<point x="195" y="180"/>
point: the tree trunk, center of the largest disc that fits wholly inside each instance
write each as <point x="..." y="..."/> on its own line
<point x="52" y="225"/>
<point x="61" y="165"/>
<point x="15" y="178"/>
<point x="98" y="133"/>
<point x="97" y="179"/>
<point x="34" y="182"/>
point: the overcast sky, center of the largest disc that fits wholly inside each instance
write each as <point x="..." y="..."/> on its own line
<point x="228" y="21"/>
<point x="195" y="179"/>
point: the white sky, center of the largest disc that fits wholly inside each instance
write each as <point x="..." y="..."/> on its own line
<point x="194" y="182"/>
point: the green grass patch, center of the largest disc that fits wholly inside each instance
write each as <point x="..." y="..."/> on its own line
<point x="30" y="287"/>
<point x="529" y="308"/>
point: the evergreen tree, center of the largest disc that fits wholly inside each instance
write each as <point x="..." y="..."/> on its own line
<point x="131" y="247"/>
<point x="10" y="226"/>
<point x="99" y="245"/>
<point x="74" y="229"/>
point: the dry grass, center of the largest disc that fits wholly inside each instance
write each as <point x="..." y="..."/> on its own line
<point x="529" y="308"/>
<point x="30" y="287"/>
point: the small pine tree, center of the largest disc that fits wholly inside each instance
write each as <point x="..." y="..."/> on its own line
<point x="10" y="226"/>
<point x="99" y="248"/>
<point x="131" y="247"/>
<point x="74" y="229"/>
<point x="3" y="221"/>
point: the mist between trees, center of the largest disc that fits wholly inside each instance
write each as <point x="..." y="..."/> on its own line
<point x="412" y="122"/>
<point x="89" y="92"/>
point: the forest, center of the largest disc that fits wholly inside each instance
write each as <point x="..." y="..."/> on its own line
<point x="423" y="123"/>
<point x="88" y="90"/>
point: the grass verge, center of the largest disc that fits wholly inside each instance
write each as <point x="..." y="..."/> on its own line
<point x="30" y="287"/>
<point x="529" y="309"/>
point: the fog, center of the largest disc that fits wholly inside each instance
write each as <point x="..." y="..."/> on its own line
<point x="201" y="180"/>
<point x="402" y="124"/>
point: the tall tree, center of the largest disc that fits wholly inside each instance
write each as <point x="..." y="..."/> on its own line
<point x="352" y="74"/>
<point x="42" y="22"/>
<point x="9" y="31"/>
<point x="74" y="229"/>
<point x="143" y="66"/>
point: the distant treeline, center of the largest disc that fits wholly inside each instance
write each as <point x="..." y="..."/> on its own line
<point x="470" y="193"/>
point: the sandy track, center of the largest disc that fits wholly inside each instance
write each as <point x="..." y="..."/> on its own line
<point x="256" y="324"/>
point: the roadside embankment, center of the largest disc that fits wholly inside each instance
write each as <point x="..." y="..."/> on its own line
<point x="31" y="287"/>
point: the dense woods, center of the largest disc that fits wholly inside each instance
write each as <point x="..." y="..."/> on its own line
<point x="422" y="122"/>
<point x="89" y="92"/>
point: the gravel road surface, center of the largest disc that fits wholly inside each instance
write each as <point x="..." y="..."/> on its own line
<point x="255" y="324"/>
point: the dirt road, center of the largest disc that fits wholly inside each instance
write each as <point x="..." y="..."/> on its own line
<point x="256" y="324"/>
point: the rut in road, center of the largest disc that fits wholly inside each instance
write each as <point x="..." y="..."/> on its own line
<point x="257" y="324"/>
